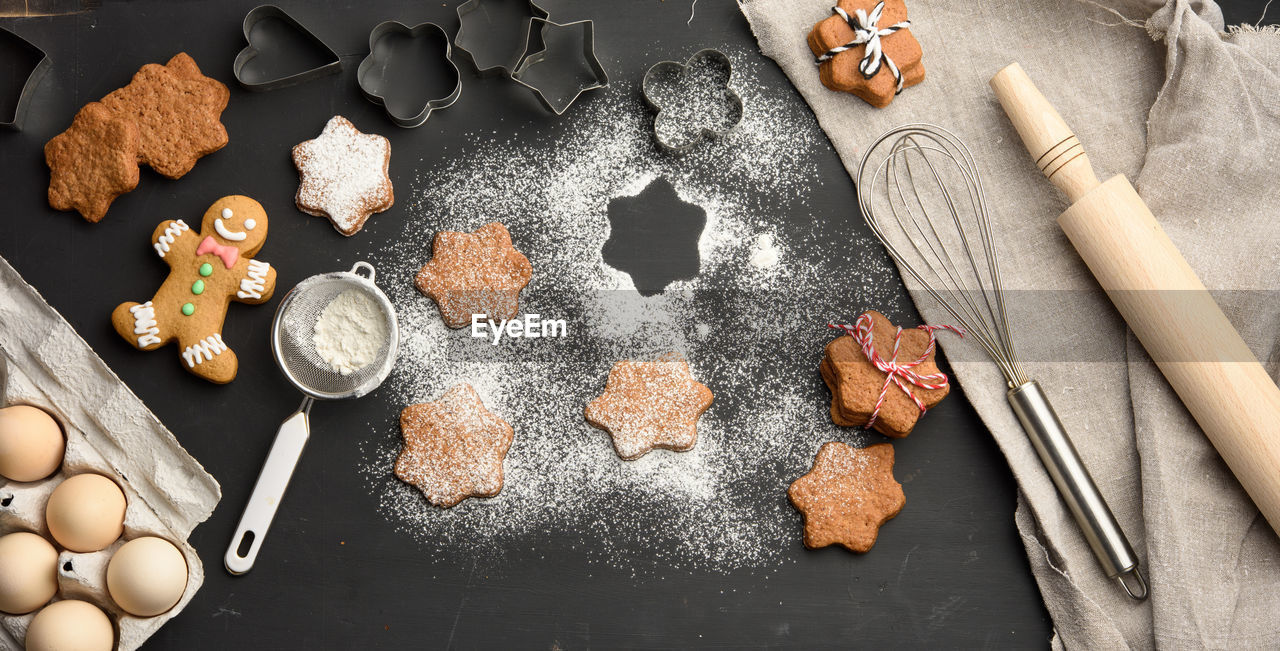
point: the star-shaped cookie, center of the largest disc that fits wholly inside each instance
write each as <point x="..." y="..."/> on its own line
<point x="647" y="405"/>
<point x="475" y="273"/>
<point x="343" y="175"/>
<point x="841" y="71"/>
<point x="178" y="111"/>
<point x="847" y="496"/>
<point x="453" y="447"/>
<point x="856" y="384"/>
<point x="93" y="162"/>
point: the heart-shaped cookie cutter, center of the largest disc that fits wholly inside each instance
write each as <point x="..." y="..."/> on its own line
<point x="371" y="73"/>
<point x="667" y="72"/>
<point x="264" y="13"/>
<point x="36" y="74"/>
<point x="473" y="11"/>
<point x="600" y="77"/>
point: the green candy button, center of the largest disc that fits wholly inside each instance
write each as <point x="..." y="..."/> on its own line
<point x="206" y="269"/>
<point x="188" y="309"/>
<point x="197" y="287"/>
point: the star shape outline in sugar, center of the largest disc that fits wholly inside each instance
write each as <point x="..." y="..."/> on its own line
<point x="650" y="404"/>
<point x="855" y="383"/>
<point x="847" y="496"/>
<point x="453" y="447"/>
<point x="343" y="175"/>
<point x="474" y="273"/>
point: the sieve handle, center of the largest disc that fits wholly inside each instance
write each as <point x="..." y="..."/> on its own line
<point x="269" y="490"/>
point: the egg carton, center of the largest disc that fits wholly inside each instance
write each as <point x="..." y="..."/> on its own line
<point x="109" y="431"/>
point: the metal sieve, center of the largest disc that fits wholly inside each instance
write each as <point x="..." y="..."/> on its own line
<point x="292" y="332"/>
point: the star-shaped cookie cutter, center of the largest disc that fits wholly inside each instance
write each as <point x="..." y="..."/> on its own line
<point x="34" y="77"/>
<point x="371" y="76"/>
<point x="546" y="57"/>
<point x="472" y="10"/>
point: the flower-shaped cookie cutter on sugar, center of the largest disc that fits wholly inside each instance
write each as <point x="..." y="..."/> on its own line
<point x="262" y="32"/>
<point x="560" y="73"/>
<point x="393" y="76"/>
<point x="693" y="99"/>
<point x="37" y="64"/>
<point x="498" y="34"/>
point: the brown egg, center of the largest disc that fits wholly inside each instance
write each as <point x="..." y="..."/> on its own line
<point x="71" y="625"/>
<point x="85" y="513"/>
<point x="31" y="443"/>
<point x="28" y="572"/>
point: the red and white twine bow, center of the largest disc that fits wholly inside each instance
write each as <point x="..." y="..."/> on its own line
<point x="867" y="31"/>
<point x="896" y="372"/>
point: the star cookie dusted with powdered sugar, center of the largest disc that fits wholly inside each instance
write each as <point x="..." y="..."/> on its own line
<point x="453" y="447"/>
<point x="344" y="175"/>
<point x="847" y="496"/>
<point x="475" y="273"/>
<point x="647" y="405"/>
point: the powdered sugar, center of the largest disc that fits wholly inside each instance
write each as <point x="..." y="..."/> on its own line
<point x="753" y="335"/>
<point x="349" y="332"/>
<point x="344" y="175"/>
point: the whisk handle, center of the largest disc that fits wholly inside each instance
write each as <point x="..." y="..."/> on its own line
<point x="1052" y="144"/>
<point x="1075" y="485"/>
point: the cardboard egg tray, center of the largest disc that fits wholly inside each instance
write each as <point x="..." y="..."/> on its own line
<point x="109" y="431"/>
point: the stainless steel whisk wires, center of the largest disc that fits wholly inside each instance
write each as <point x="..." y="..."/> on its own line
<point x="914" y="194"/>
<point x="979" y="307"/>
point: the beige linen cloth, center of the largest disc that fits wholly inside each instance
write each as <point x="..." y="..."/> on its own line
<point x="1192" y="115"/>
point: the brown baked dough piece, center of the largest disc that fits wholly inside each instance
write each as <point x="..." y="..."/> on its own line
<point x="178" y="112"/>
<point x="475" y="273"/>
<point x="92" y="162"/>
<point x="841" y="72"/>
<point x="847" y="496"/>
<point x="453" y="447"/>
<point x="647" y="405"/>
<point x="856" y="384"/>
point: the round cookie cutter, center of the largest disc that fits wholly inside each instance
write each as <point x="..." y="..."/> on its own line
<point x="375" y="79"/>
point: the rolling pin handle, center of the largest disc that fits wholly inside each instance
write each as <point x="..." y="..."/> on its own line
<point x="1052" y="144"/>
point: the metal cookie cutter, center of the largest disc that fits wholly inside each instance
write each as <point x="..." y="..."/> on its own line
<point x="264" y="14"/>
<point x="557" y="74"/>
<point x="39" y="66"/>
<point x="682" y="122"/>
<point x="383" y="82"/>
<point x="484" y="23"/>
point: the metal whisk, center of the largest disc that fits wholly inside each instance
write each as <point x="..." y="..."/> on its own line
<point x="924" y="201"/>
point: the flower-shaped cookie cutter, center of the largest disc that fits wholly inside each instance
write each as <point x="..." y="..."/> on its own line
<point x="378" y="79"/>
<point x="477" y="17"/>
<point x="34" y="75"/>
<point x="683" y="122"/>
<point x="263" y="15"/>
<point x="561" y="86"/>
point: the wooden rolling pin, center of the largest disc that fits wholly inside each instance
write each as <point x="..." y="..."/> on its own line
<point x="1201" y="355"/>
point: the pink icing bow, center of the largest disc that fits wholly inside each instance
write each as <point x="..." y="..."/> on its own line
<point x="229" y="254"/>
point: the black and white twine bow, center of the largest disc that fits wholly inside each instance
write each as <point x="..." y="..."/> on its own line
<point x="866" y="31"/>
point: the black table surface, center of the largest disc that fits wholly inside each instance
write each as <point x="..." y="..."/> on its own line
<point x="334" y="573"/>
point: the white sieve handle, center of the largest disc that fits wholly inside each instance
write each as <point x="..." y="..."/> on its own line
<point x="269" y="490"/>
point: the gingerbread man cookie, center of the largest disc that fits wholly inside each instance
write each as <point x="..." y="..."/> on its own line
<point x="344" y="175"/>
<point x="647" y="405"/>
<point x="847" y="496"/>
<point x="889" y="391"/>
<point x="475" y="273"/>
<point x="207" y="270"/>
<point x="866" y="48"/>
<point x="453" y="447"/>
